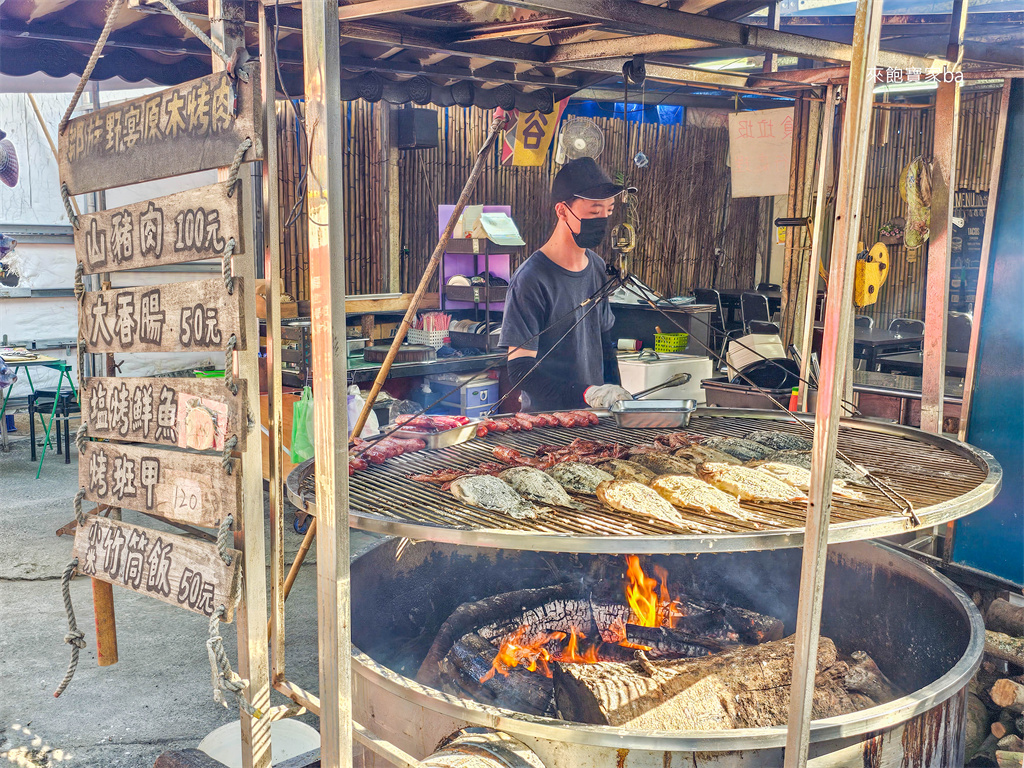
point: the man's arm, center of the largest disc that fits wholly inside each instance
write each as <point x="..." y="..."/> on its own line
<point x="521" y="360"/>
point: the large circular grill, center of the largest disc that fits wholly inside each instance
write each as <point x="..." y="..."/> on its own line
<point x="941" y="478"/>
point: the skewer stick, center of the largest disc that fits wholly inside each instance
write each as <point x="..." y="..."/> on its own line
<point x="428" y="274"/>
<point x="49" y="140"/>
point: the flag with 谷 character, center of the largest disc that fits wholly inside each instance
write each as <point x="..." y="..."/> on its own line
<point x="534" y="132"/>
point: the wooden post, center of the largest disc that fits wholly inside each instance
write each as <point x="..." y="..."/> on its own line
<point x="272" y="271"/>
<point x="836" y="350"/>
<point x="771" y="60"/>
<point x="324" y="195"/>
<point x="391" y="220"/>
<point x="227" y="27"/>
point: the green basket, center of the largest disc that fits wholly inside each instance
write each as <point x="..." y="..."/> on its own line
<point x="209" y="374"/>
<point x="670" y="342"/>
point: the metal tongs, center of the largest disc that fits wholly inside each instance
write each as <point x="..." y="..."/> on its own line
<point x="676" y="381"/>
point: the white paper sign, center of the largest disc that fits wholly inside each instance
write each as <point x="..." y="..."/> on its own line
<point x="760" y="152"/>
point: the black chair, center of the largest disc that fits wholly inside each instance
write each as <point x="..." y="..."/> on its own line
<point x="904" y="326"/>
<point x="41" y="402"/>
<point x="958" y="332"/>
<point x="759" y="326"/>
<point x="865" y="322"/>
<point x="719" y="328"/>
<point x="768" y="287"/>
<point x="754" y="306"/>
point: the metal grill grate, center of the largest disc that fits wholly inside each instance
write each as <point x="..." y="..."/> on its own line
<point x="941" y="478"/>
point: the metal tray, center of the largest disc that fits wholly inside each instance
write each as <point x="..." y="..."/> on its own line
<point x="653" y="414"/>
<point x="443" y="439"/>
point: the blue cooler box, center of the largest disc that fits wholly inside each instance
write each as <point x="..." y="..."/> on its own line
<point x="468" y="396"/>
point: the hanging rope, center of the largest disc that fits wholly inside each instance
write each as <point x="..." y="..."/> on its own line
<point x="225" y="266"/>
<point x="74" y="637"/>
<point x="225" y="538"/>
<point x="65" y="195"/>
<point x="80" y="437"/>
<point x="236" y="163"/>
<point x="229" y="365"/>
<point x="90" y="66"/>
<point x="229" y="446"/>
<point x="80" y="516"/>
<point x="190" y="25"/>
<point x="222" y="676"/>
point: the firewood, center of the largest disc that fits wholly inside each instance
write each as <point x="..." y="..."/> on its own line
<point x="1006" y="759"/>
<point x="1003" y="616"/>
<point x="985" y="754"/>
<point x="1004" y="647"/>
<point x="865" y="676"/>
<point x="468" y="616"/>
<point x="863" y="701"/>
<point x="753" y="627"/>
<point x="1008" y="695"/>
<point x="1011" y="743"/>
<point x="977" y="724"/>
<point x="745" y="687"/>
<point x="528" y="692"/>
<point x="1019" y="725"/>
<point x="665" y="642"/>
<point x="1004" y="724"/>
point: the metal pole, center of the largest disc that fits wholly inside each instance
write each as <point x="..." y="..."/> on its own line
<point x="324" y="195"/>
<point x="817" y="224"/>
<point x="227" y="28"/>
<point x="836" y="350"/>
<point x="272" y="273"/>
<point x="986" y="249"/>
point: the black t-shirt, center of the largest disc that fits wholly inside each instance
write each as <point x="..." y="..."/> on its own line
<point x="540" y="293"/>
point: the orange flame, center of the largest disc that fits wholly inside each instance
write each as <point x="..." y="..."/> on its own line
<point x="572" y="654"/>
<point x="515" y="651"/>
<point x="648" y="598"/>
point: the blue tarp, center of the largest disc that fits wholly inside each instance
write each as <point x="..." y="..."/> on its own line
<point x="654" y="114"/>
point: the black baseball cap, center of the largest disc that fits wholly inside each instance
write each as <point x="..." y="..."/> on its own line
<point x="585" y="179"/>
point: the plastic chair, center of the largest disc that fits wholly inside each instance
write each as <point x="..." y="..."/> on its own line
<point x="958" y="332"/>
<point x="754" y="306"/>
<point x="719" y="329"/>
<point x="864" y="321"/>
<point x="41" y="402"/>
<point x="904" y="326"/>
<point x="767" y="287"/>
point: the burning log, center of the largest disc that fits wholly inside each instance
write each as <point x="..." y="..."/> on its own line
<point x="741" y="688"/>
<point x="1003" y="616"/>
<point x="865" y="677"/>
<point x="473" y="657"/>
<point x="753" y="627"/>
<point x="672" y="642"/>
<point x="469" y="616"/>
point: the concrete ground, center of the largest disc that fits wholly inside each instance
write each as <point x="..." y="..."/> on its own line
<point x="158" y="696"/>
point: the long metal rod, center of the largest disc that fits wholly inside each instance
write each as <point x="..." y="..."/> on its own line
<point x="324" y="197"/>
<point x="227" y="28"/>
<point x="482" y="157"/>
<point x="837" y="347"/>
<point x="986" y="250"/>
<point x="272" y="272"/>
<point x="817" y="225"/>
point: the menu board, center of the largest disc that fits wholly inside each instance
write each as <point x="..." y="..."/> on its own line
<point x="965" y="258"/>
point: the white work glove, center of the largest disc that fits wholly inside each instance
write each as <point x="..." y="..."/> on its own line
<point x="605" y="395"/>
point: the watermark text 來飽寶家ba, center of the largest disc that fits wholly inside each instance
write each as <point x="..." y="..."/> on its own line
<point x="893" y="76"/>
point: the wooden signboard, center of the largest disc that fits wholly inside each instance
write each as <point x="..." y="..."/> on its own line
<point x="186" y="226"/>
<point x="185" y="488"/>
<point x="760" y="152"/>
<point x="196" y="316"/>
<point x="194" y="126"/>
<point x="198" y="414"/>
<point x="184" y="572"/>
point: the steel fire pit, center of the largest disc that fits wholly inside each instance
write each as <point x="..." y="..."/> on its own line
<point x="922" y="631"/>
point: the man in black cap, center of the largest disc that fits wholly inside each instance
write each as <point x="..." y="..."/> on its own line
<point x="549" y="293"/>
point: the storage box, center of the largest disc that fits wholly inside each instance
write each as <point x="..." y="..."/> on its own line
<point x="722" y="394"/>
<point x="639" y="374"/>
<point x="467" y="392"/>
<point x="473" y="414"/>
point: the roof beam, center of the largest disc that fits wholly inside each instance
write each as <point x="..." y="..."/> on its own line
<point x="372" y="8"/>
<point x="591" y="50"/>
<point x="638" y="18"/>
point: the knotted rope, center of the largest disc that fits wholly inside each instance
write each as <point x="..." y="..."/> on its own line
<point x="225" y="266"/>
<point x="65" y="195"/>
<point x="188" y="24"/>
<point x="229" y="365"/>
<point x="225" y="538"/>
<point x="74" y="637"/>
<point x="80" y="437"/>
<point x="229" y="445"/>
<point x="222" y="677"/>
<point x="108" y="26"/>
<point x="236" y="163"/>
<point x="80" y="516"/>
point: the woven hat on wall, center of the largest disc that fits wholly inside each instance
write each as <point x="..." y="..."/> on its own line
<point x="8" y="161"/>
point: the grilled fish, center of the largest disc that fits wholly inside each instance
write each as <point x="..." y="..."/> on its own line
<point x="749" y="484"/>
<point x="842" y="471"/>
<point x="623" y="469"/>
<point x="641" y="501"/>
<point x="665" y="464"/>
<point x="693" y="493"/>
<point x="780" y="441"/>
<point x="577" y="477"/>
<point x="800" y="478"/>
<point x="701" y="454"/>
<point x="534" y="485"/>
<point x="489" y="492"/>
<point x="742" y="449"/>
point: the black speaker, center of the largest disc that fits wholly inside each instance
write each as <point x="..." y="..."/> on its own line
<point x="417" y="128"/>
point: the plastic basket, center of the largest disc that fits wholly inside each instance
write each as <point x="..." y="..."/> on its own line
<point x="435" y="339"/>
<point x="209" y="374"/>
<point x="670" y="342"/>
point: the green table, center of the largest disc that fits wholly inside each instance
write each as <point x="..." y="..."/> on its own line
<point x="39" y="361"/>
